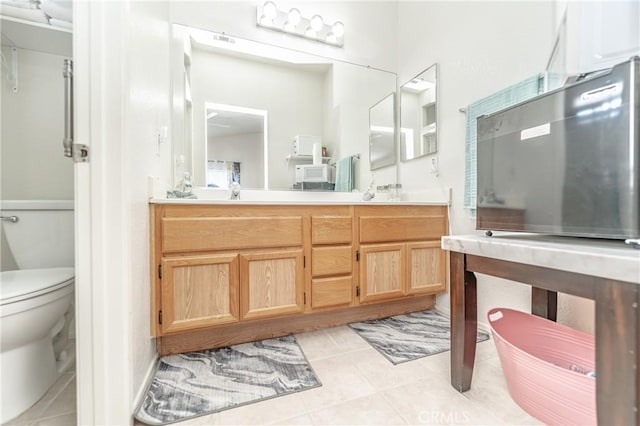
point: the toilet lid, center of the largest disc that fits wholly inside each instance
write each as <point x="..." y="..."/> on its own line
<point x="28" y="283"/>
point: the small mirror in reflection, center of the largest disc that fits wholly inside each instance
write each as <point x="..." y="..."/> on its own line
<point x="382" y="145"/>
<point x="418" y="116"/>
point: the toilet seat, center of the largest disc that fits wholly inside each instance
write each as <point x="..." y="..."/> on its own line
<point x="20" y="285"/>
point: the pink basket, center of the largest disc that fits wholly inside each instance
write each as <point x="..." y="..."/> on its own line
<point x="549" y="367"/>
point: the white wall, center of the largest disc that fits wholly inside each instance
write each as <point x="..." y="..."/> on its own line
<point x="147" y="109"/>
<point x="481" y="47"/>
<point x="32" y="163"/>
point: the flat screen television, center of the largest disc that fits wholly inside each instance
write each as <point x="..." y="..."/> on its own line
<point x="566" y="162"/>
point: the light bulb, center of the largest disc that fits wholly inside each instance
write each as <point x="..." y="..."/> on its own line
<point x="289" y="27"/>
<point x="270" y="10"/>
<point x="317" y="23"/>
<point x="266" y="21"/>
<point x="310" y="32"/>
<point x="331" y="38"/>
<point x="294" y="17"/>
<point x="338" y="29"/>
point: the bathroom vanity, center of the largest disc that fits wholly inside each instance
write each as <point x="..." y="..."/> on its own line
<point x="231" y="272"/>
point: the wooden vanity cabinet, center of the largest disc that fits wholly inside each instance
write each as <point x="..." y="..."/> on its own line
<point x="230" y="273"/>
<point x="400" y="251"/>
<point x="220" y="265"/>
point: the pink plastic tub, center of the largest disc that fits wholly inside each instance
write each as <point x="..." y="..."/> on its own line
<point x="549" y="367"/>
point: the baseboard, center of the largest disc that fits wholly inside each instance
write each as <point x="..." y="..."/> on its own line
<point x="145" y="383"/>
<point x="446" y="312"/>
<point x="249" y="331"/>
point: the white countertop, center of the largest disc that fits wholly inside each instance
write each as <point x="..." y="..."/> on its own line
<point x="295" y="202"/>
<point x="433" y="197"/>
<point x="611" y="259"/>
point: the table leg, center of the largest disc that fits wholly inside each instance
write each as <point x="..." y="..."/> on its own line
<point x="544" y="303"/>
<point x="617" y="345"/>
<point x="464" y="322"/>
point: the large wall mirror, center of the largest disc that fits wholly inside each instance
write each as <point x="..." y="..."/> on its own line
<point x="239" y="105"/>
<point x="418" y="115"/>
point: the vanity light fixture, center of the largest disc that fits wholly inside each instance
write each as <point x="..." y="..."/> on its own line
<point x="292" y="22"/>
<point x="294" y="16"/>
<point x="270" y="11"/>
<point x="418" y="85"/>
<point x="316" y="23"/>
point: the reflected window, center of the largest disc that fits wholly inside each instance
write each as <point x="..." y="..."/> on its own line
<point x="221" y="174"/>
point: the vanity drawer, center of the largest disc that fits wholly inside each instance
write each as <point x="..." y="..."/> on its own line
<point x="331" y="260"/>
<point x="375" y="229"/>
<point x="331" y="292"/>
<point x="331" y="229"/>
<point x="229" y="233"/>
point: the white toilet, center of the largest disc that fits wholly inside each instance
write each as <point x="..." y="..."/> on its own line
<point x="35" y="301"/>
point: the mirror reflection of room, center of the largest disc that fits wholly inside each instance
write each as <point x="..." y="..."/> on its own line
<point x="418" y="131"/>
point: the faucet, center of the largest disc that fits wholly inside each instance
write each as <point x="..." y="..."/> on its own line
<point x="235" y="191"/>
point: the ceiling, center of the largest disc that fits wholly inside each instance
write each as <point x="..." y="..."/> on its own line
<point x="226" y="123"/>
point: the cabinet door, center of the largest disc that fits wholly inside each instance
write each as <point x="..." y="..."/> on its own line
<point x="272" y="283"/>
<point x="199" y="291"/>
<point x="426" y="267"/>
<point x="382" y="271"/>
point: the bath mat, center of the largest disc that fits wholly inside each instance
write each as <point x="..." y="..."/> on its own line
<point x="204" y="382"/>
<point x="407" y="337"/>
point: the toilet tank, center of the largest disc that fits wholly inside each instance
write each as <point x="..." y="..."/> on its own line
<point x="43" y="235"/>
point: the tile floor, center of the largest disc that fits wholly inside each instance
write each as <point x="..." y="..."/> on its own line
<point x="359" y="387"/>
<point x="56" y="408"/>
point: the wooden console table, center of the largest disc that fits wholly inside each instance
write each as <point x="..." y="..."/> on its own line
<point x="607" y="272"/>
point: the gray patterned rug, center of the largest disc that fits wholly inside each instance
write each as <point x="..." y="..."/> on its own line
<point x="407" y="337"/>
<point x="204" y="382"/>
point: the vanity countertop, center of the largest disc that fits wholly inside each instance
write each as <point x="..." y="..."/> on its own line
<point x="611" y="259"/>
<point x="295" y="202"/>
<point x="434" y="197"/>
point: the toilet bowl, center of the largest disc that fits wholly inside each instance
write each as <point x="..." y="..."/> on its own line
<point x="31" y="303"/>
<point x="34" y="301"/>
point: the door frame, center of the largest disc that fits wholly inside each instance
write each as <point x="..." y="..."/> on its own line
<point x="103" y="330"/>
